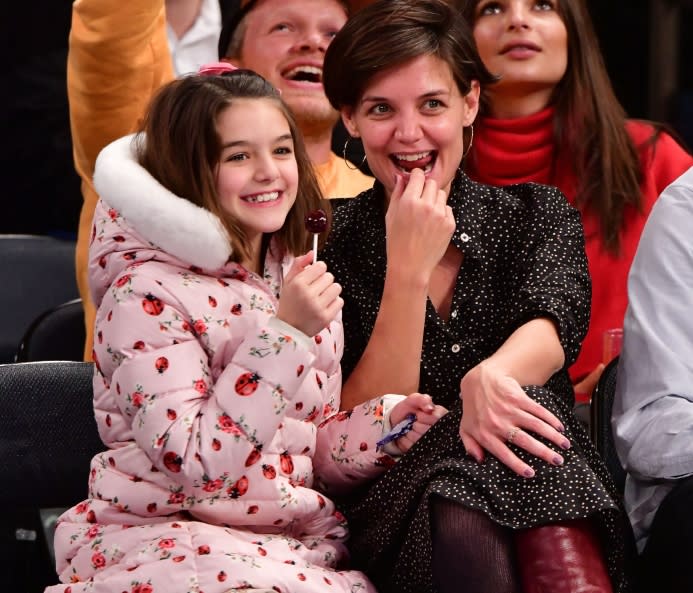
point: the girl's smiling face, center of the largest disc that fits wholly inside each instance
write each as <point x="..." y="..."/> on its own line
<point x="257" y="175"/>
<point x="413" y="116"/>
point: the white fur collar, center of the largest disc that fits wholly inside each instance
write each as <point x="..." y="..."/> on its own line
<point x="174" y="224"/>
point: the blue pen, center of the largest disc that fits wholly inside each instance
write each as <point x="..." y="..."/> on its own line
<point x="399" y="430"/>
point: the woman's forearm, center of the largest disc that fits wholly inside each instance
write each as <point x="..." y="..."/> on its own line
<point x="390" y="363"/>
<point x="532" y="353"/>
<point x="419" y="225"/>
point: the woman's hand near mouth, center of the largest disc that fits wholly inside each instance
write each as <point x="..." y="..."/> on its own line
<point x="419" y="225"/>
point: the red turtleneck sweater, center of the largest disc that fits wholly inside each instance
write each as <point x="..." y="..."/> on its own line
<point x="508" y="151"/>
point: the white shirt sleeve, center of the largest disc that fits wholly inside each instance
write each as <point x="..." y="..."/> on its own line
<point x="653" y="410"/>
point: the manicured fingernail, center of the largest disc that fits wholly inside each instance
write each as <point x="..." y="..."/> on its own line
<point x="558" y="460"/>
<point x="560" y="428"/>
<point x="529" y="473"/>
<point x="566" y="444"/>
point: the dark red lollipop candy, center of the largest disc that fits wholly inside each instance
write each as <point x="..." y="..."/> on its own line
<point x="316" y="221"/>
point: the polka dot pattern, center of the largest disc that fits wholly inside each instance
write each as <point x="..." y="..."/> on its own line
<point x="523" y="258"/>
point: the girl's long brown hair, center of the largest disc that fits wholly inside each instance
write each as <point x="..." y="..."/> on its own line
<point x="590" y="126"/>
<point x="179" y="145"/>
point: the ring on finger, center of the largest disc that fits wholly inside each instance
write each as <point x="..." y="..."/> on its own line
<point x="512" y="433"/>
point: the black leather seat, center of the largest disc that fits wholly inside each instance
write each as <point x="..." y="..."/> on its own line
<point x="600" y="422"/>
<point x="49" y="436"/>
<point x="38" y="273"/>
<point x="56" y="334"/>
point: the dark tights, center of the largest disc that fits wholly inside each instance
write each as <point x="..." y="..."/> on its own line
<point x="470" y="552"/>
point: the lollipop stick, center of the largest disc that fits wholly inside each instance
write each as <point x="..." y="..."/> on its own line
<point x="316" y="223"/>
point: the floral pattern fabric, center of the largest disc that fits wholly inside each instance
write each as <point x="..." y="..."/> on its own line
<point x="219" y="420"/>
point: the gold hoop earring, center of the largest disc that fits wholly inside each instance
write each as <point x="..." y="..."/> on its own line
<point x="471" y="141"/>
<point x="347" y="162"/>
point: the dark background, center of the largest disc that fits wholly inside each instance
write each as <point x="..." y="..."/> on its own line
<point x="627" y="41"/>
<point x="41" y="190"/>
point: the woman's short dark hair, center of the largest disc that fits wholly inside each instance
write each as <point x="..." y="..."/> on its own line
<point x="388" y="33"/>
<point x="180" y="147"/>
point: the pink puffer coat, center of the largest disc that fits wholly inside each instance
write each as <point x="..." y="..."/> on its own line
<point x="212" y="411"/>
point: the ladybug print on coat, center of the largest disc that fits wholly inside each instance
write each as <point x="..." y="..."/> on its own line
<point x="254" y="456"/>
<point x="286" y="463"/>
<point x="152" y="305"/>
<point x="209" y="414"/>
<point x="239" y="488"/>
<point x="246" y="384"/>
<point x="173" y="462"/>
<point x="161" y="364"/>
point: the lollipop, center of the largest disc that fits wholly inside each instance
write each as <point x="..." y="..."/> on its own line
<point x="316" y="223"/>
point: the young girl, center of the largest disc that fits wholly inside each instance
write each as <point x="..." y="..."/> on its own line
<point x="216" y="396"/>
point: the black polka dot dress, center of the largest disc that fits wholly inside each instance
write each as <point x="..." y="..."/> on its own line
<point x="523" y="258"/>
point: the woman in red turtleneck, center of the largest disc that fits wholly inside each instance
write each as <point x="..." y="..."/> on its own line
<point x="553" y="118"/>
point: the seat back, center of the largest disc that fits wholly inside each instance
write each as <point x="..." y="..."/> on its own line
<point x="38" y="273"/>
<point x="600" y="422"/>
<point x="49" y="433"/>
<point x="48" y="437"/>
<point x="56" y="334"/>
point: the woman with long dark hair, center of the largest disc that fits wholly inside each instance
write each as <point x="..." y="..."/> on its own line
<point x="553" y="118"/>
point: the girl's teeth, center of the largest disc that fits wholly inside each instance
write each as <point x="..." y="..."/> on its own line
<point x="268" y="197"/>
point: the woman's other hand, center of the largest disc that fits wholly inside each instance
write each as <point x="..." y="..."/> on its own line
<point x="497" y="411"/>
<point x="309" y="298"/>
<point x="427" y="413"/>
